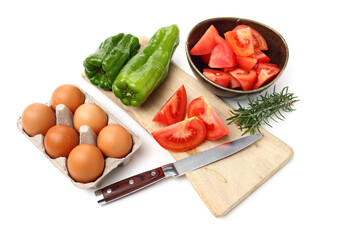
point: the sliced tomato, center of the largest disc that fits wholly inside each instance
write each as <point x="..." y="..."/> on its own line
<point x="174" y="110"/>
<point x="246" y="79"/>
<point x="233" y="84"/>
<point x="181" y="136"/>
<point x="219" y="77"/>
<point x="221" y="55"/>
<point x="205" y="58"/>
<point x="241" y="41"/>
<point x="260" y="56"/>
<point x="258" y="39"/>
<point x="246" y="63"/>
<point x="206" y="43"/>
<point x="265" y="72"/>
<point x="214" y="125"/>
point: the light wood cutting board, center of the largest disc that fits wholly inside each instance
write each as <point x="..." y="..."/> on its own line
<point x="223" y="184"/>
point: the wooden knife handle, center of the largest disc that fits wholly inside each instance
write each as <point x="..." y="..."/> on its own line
<point x="129" y="185"/>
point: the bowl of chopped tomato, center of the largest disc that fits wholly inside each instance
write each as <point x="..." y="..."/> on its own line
<point x="236" y="56"/>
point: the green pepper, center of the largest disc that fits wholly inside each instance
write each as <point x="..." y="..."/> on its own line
<point x="103" y="66"/>
<point x="148" y="68"/>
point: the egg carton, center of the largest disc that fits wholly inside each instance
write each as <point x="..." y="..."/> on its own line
<point x="86" y="135"/>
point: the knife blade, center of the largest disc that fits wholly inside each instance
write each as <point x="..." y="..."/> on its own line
<point x="137" y="182"/>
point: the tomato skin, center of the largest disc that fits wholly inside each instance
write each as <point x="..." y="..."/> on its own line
<point x="245" y="79"/>
<point x="219" y="77"/>
<point x="200" y="108"/>
<point x="174" y="110"/>
<point x="205" y="58"/>
<point x="241" y="41"/>
<point x="246" y="63"/>
<point x="181" y="136"/>
<point x="206" y="43"/>
<point x="265" y="72"/>
<point x="260" y="56"/>
<point x="221" y="55"/>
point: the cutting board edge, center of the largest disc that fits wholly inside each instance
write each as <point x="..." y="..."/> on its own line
<point x="219" y="214"/>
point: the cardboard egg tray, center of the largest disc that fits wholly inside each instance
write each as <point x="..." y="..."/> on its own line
<point x="86" y="135"/>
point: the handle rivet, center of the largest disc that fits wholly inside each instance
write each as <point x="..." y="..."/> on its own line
<point x="153" y="173"/>
<point x="131" y="181"/>
<point x="109" y="190"/>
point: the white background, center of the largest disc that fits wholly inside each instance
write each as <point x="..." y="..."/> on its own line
<point x="43" y="45"/>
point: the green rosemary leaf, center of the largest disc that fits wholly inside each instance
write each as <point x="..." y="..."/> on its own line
<point x="262" y="109"/>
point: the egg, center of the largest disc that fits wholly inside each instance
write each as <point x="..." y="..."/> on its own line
<point x="114" y="141"/>
<point x="92" y="115"/>
<point x="69" y="95"/>
<point x="37" y="118"/>
<point x="60" y="140"/>
<point x="85" y="163"/>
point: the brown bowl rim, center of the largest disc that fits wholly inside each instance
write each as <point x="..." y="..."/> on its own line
<point x="229" y="89"/>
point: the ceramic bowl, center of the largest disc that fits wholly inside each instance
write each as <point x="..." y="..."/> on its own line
<point x="277" y="51"/>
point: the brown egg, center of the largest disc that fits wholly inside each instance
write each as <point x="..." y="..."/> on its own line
<point x="60" y="140"/>
<point x="91" y="115"/>
<point x="85" y="163"/>
<point x="37" y="118"/>
<point x="114" y="141"/>
<point x="68" y="95"/>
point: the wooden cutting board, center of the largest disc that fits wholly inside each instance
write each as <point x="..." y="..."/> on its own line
<point x="223" y="184"/>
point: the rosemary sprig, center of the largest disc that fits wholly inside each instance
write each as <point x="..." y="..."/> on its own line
<point x="262" y="109"/>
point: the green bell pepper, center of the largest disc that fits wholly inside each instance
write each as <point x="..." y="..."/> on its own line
<point x="148" y="68"/>
<point x="103" y="66"/>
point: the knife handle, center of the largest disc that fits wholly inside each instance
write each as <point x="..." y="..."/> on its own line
<point x="129" y="185"/>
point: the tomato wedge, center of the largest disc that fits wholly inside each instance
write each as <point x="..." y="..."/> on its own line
<point x="214" y="125"/>
<point x="174" y="110"/>
<point x="219" y="77"/>
<point x="258" y="39"/>
<point x="265" y="72"/>
<point x="205" y="58"/>
<point x="206" y="43"/>
<point x="245" y="79"/>
<point x="221" y="55"/>
<point x="241" y="41"/>
<point x="260" y="56"/>
<point x="246" y="63"/>
<point x="181" y="136"/>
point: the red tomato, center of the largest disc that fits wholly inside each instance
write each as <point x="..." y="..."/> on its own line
<point x="214" y="125"/>
<point x="219" y="77"/>
<point x="246" y="63"/>
<point x="265" y="72"/>
<point x="222" y="55"/>
<point x="206" y="43"/>
<point x="241" y="41"/>
<point x="258" y="39"/>
<point x="246" y="79"/>
<point x="174" y="110"/>
<point x="260" y="56"/>
<point x="233" y="84"/>
<point x="181" y="136"/>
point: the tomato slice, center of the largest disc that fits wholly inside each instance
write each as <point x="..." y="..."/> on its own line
<point x="219" y="77"/>
<point x="233" y="84"/>
<point x="206" y="43"/>
<point x="174" y="110"/>
<point x="214" y="125"/>
<point x="221" y="55"/>
<point x="246" y="63"/>
<point x="181" y="136"/>
<point x="260" y="56"/>
<point x="258" y="39"/>
<point x="246" y="79"/>
<point x="241" y="41"/>
<point x="265" y="72"/>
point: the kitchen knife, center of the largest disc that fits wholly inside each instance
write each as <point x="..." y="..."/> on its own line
<point x="132" y="184"/>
